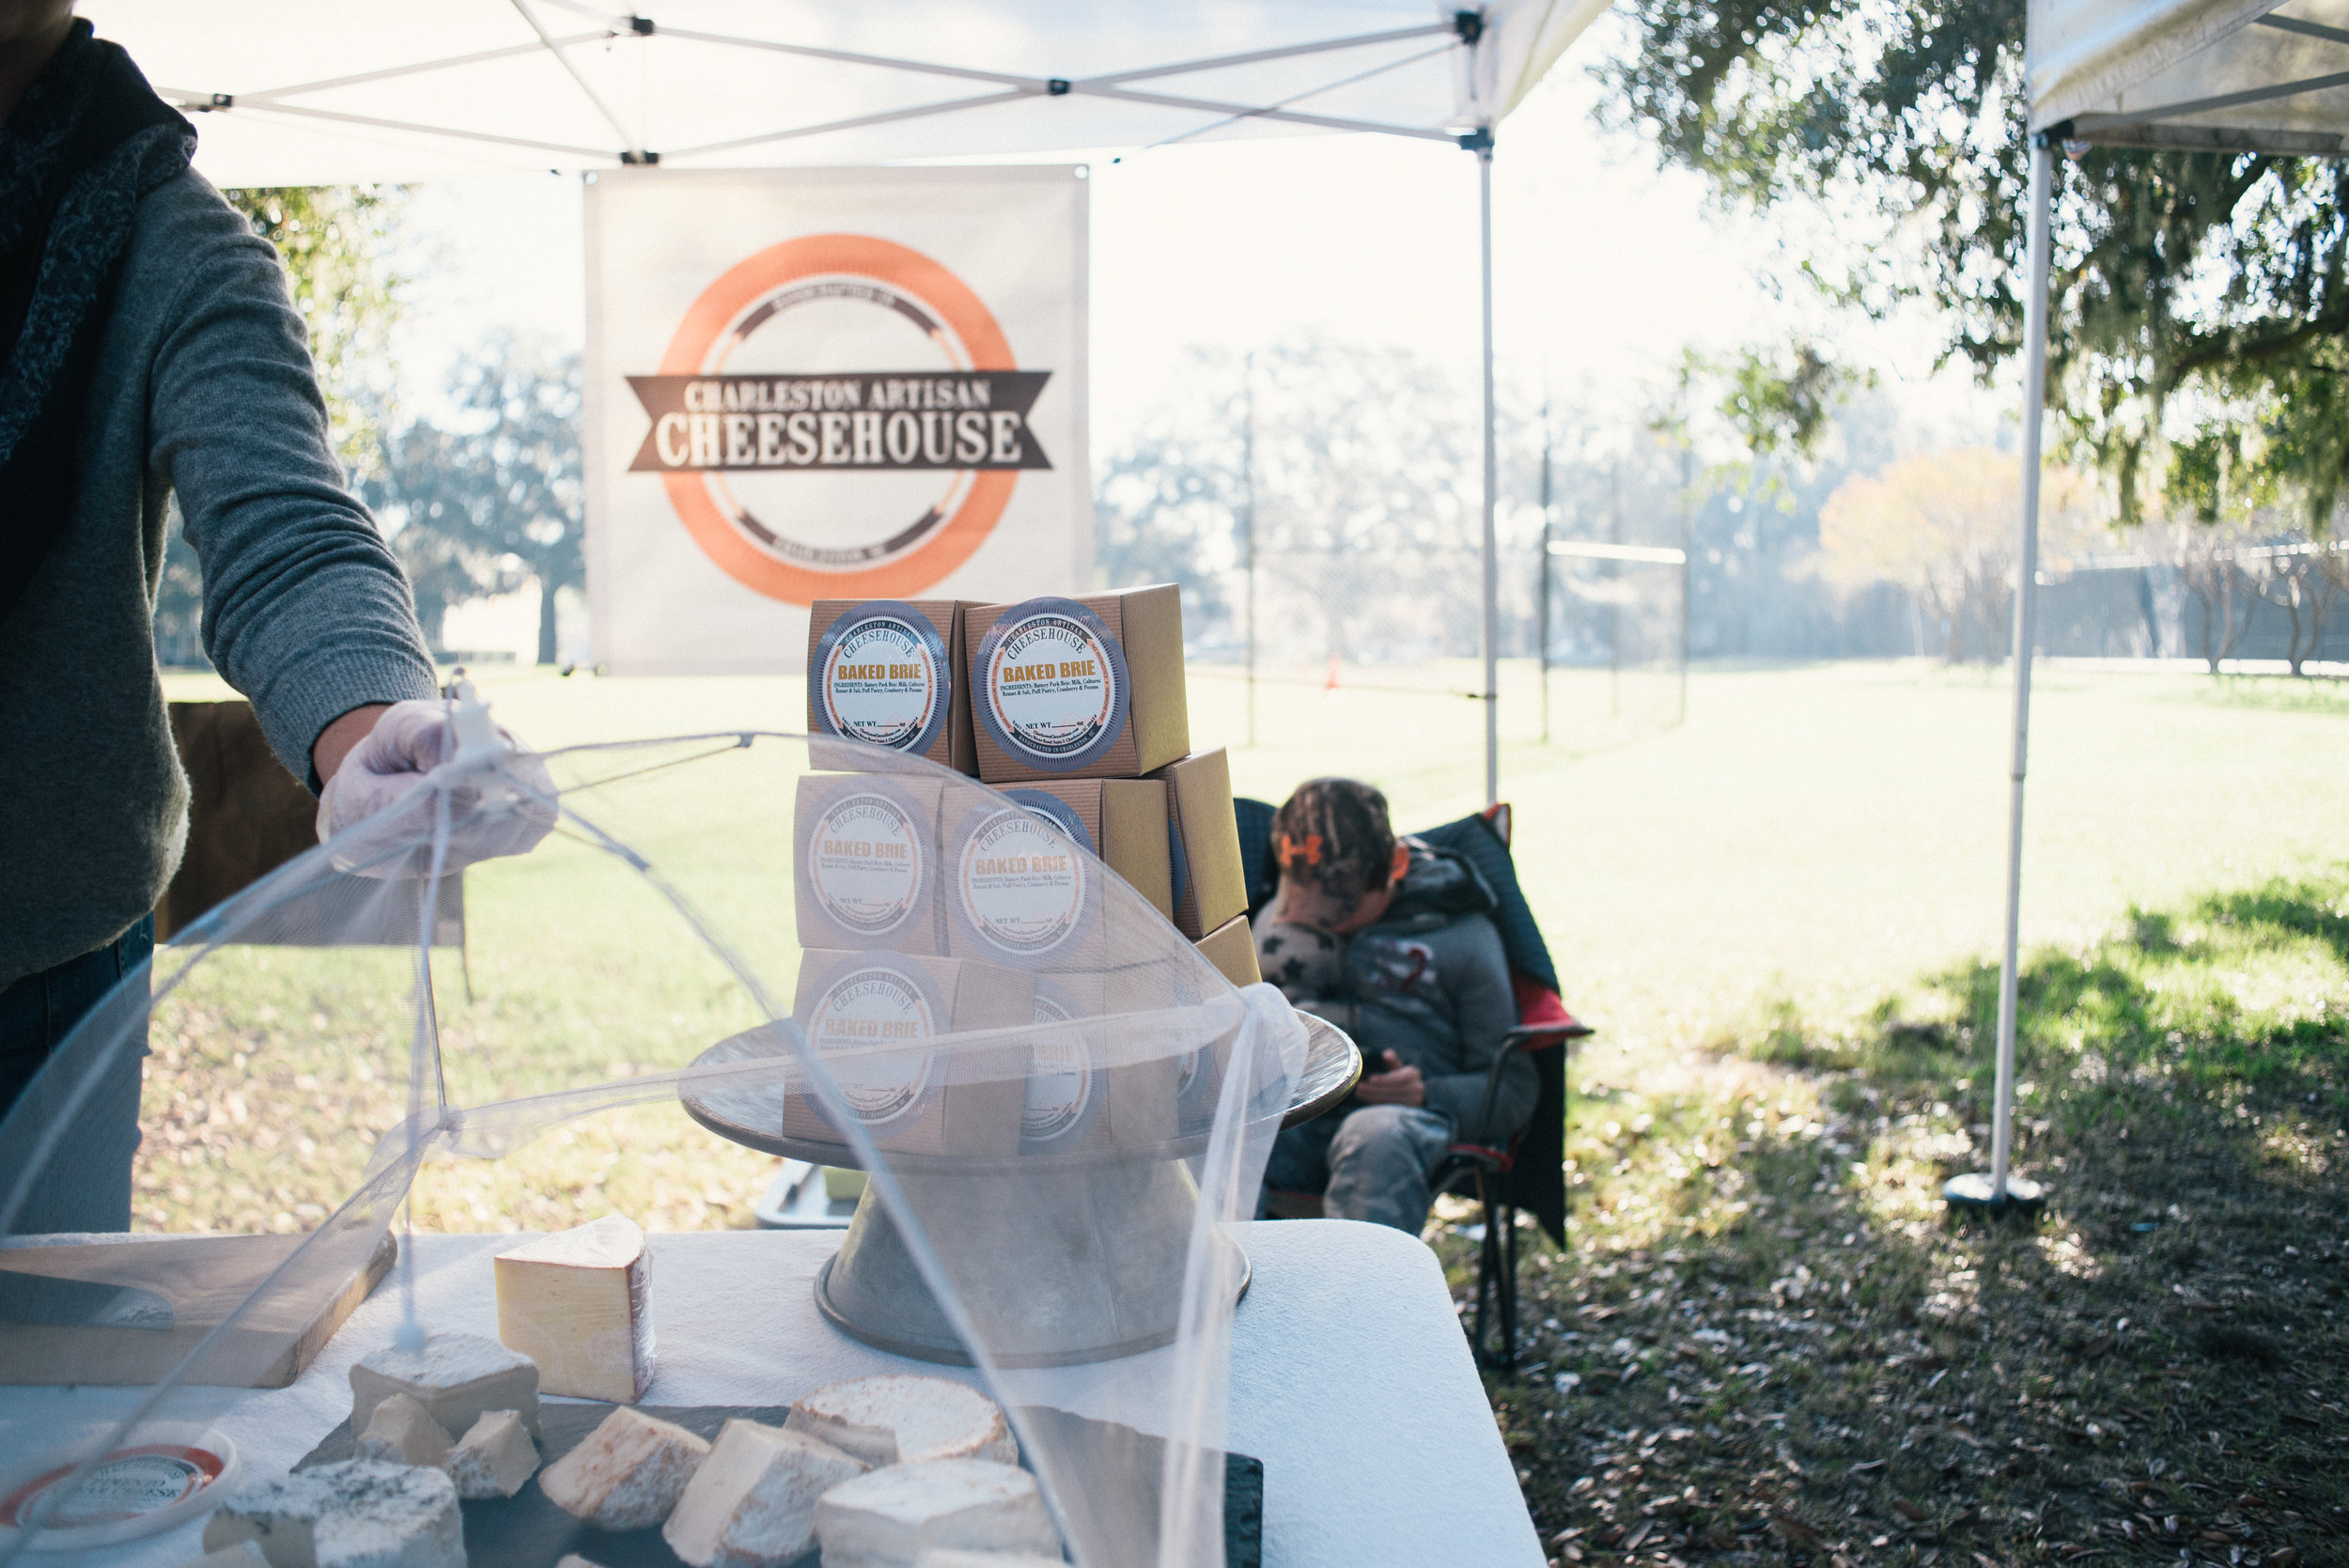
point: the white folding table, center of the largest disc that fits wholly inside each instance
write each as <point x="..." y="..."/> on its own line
<point x="1350" y="1380"/>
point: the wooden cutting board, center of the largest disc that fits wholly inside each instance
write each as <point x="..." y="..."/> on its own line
<point x="202" y="1280"/>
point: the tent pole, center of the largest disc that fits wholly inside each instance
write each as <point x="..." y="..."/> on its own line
<point x="1491" y="624"/>
<point x="2001" y="1190"/>
<point x="1541" y="590"/>
<point x="1248" y="491"/>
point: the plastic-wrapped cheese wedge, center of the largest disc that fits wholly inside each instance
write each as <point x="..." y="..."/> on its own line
<point x="628" y="1474"/>
<point x="753" y="1502"/>
<point x="580" y="1304"/>
<point x="904" y="1419"/>
<point x="458" y="1378"/>
<point x="401" y="1431"/>
<point x="360" y="1513"/>
<point x="890" y="1518"/>
<point x="493" y="1459"/>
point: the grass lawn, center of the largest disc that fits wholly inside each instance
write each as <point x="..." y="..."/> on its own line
<point x="1771" y="1343"/>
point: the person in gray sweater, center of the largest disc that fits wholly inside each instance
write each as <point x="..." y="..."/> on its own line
<point x="147" y="347"/>
<point x="1392" y="940"/>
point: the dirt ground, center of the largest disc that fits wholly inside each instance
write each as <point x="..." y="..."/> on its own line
<point x="1770" y="1342"/>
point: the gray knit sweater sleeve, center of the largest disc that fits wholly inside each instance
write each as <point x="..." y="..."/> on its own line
<point x="305" y="609"/>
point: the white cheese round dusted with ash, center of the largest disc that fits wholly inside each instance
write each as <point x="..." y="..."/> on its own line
<point x="890" y="1518"/>
<point x="456" y="1377"/>
<point x="902" y="1419"/>
<point x="359" y="1513"/>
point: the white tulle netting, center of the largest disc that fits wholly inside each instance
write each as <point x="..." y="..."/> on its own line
<point x="822" y="950"/>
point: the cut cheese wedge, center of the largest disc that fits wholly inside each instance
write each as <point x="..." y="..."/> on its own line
<point x="890" y="1518"/>
<point x="401" y="1431"/>
<point x="579" y="1303"/>
<point x="753" y="1502"/>
<point x="493" y="1459"/>
<point x="458" y="1378"/>
<point x="244" y="1554"/>
<point x="628" y="1474"/>
<point x="905" y="1419"/>
<point x="359" y="1513"/>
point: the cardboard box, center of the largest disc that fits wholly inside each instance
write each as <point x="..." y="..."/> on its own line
<point x="891" y="673"/>
<point x="867" y="865"/>
<point x="1202" y="843"/>
<point x="917" y="1101"/>
<point x="1017" y="889"/>
<point x="1231" y="947"/>
<point x="1072" y="1101"/>
<point x="1124" y="823"/>
<point x="1088" y="688"/>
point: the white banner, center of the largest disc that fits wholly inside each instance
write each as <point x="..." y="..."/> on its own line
<point x="827" y="383"/>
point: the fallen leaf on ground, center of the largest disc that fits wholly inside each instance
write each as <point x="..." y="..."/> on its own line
<point x="1794" y="1529"/>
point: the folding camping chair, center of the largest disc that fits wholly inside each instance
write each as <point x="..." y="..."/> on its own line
<point x="1529" y="1174"/>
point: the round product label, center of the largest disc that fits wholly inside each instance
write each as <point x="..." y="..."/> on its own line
<point x="1062" y="1096"/>
<point x="129" y="1483"/>
<point x="1021" y="881"/>
<point x="1057" y="812"/>
<point x="1052" y="685"/>
<point x="872" y="1006"/>
<point x="866" y="863"/>
<point x="882" y="676"/>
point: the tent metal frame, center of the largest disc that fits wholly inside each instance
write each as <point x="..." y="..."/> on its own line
<point x="1463" y="30"/>
<point x="2149" y="126"/>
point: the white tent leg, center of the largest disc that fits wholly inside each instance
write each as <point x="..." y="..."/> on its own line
<point x="1491" y="623"/>
<point x="1999" y="1190"/>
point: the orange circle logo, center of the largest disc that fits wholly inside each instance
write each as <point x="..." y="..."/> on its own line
<point x="802" y="473"/>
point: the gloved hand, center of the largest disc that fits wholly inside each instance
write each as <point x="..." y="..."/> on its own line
<point x="502" y="811"/>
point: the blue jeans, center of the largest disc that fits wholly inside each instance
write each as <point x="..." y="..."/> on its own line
<point x="1373" y="1162"/>
<point x="86" y="1185"/>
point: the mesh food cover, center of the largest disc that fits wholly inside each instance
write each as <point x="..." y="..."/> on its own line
<point x="817" y="948"/>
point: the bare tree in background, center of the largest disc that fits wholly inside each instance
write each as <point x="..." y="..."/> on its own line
<point x="2206" y="557"/>
<point x="1942" y="525"/>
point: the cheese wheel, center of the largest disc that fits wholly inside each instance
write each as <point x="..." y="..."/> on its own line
<point x="890" y="1518"/>
<point x="904" y="1419"/>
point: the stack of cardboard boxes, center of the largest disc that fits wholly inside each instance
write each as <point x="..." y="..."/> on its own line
<point x="925" y="909"/>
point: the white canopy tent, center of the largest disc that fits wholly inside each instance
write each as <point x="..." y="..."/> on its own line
<point x="2204" y="75"/>
<point x="333" y="91"/>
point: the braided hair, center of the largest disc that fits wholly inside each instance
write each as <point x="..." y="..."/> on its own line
<point x="1335" y="834"/>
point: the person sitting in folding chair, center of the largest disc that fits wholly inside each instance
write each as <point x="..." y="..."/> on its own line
<point x="1393" y="942"/>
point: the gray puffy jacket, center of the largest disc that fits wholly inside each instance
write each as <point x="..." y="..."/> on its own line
<point x="1430" y="983"/>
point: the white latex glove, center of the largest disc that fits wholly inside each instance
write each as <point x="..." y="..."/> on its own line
<point x="504" y="810"/>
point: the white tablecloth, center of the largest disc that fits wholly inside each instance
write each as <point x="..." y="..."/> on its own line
<point x="1350" y="1380"/>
